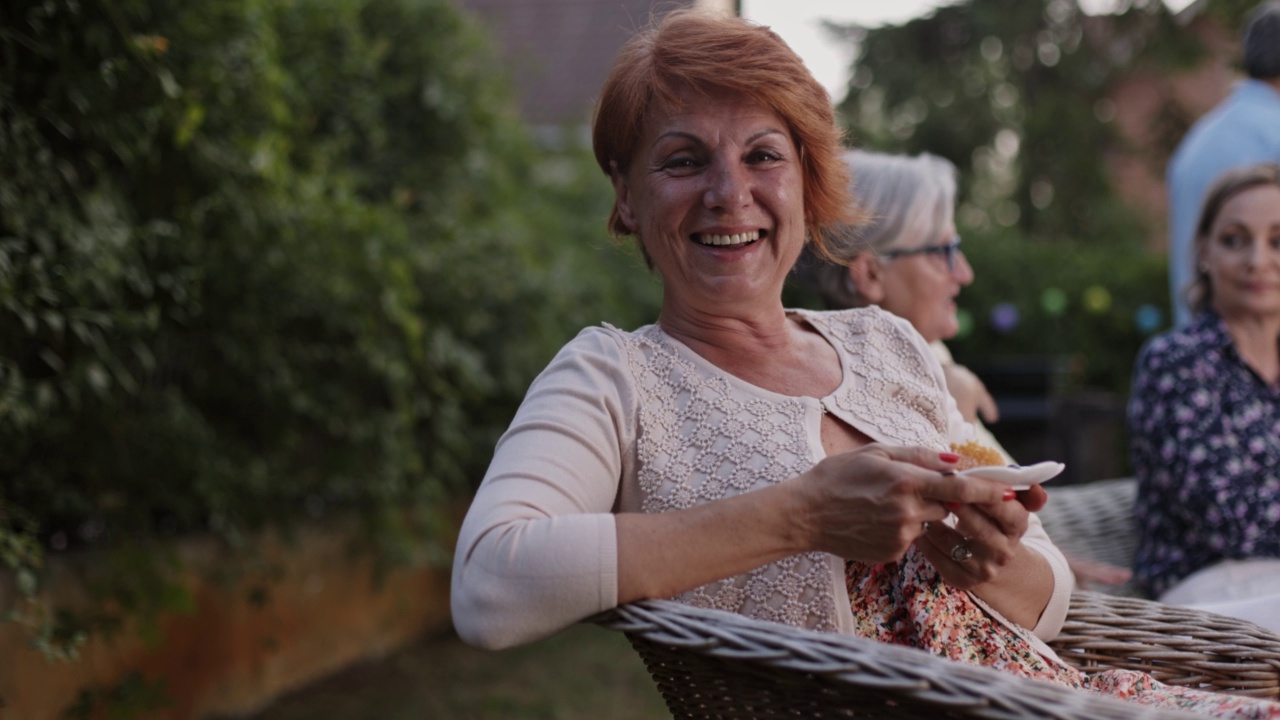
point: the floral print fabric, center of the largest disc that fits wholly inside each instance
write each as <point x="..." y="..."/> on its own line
<point x="908" y="603"/>
<point x="1204" y="434"/>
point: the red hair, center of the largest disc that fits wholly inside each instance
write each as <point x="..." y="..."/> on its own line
<point x="710" y="52"/>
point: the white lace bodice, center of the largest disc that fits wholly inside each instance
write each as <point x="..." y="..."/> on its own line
<point x="623" y="422"/>
<point x="704" y="435"/>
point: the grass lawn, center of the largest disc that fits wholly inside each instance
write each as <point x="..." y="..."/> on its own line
<point x="583" y="673"/>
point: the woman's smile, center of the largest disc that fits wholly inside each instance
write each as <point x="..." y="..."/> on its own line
<point x="716" y="195"/>
<point x="728" y="240"/>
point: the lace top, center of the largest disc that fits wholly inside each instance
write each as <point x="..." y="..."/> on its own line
<point x="706" y="435"/>
<point x="638" y="422"/>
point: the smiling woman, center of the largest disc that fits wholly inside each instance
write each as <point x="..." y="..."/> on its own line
<point x="713" y="194"/>
<point x="710" y="455"/>
<point x="787" y="465"/>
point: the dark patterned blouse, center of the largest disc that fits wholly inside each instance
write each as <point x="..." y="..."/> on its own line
<point x="1204" y="434"/>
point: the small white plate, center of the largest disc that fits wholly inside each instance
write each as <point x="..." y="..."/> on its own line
<point x="1018" y="477"/>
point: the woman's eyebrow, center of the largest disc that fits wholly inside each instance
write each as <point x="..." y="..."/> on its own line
<point x="684" y="134"/>
<point x="762" y="133"/>
<point x="681" y="134"/>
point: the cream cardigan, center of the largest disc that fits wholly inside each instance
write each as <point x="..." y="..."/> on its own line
<point x="637" y="422"/>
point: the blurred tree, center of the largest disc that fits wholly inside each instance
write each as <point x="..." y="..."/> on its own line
<point x="1014" y="92"/>
<point x="262" y="261"/>
<point x="1022" y="96"/>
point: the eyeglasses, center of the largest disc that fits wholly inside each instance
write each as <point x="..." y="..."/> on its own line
<point x="947" y="250"/>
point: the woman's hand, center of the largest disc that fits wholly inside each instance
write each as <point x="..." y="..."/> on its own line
<point x="1090" y="573"/>
<point x="871" y="503"/>
<point x="983" y="552"/>
<point x="971" y="395"/>
<point x="985" y="539"/>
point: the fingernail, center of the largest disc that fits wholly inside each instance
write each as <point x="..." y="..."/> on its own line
<point x="1010" y="495"/>
<point x="952" y="506"/>
<point x="948" y="457"/>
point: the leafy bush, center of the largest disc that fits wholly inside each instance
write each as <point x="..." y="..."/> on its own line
<point x="1092" y="303"/>
<point x="1019" y="95"/>
<point x="263" y="259"/>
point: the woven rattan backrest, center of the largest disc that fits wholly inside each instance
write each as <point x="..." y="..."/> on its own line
<point x="711" y="664"/>
<point x="1178" y="646"/>
<point x="1095" y="521"/>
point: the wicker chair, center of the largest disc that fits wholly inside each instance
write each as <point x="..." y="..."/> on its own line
<point x="1095" y="521"/>
<point x="712" y="664"/>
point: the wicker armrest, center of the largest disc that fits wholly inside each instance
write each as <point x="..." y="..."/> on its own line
<point x="713" y="664"/>
<point x="1177" y="646"/>
<point x="1095" y="521"/>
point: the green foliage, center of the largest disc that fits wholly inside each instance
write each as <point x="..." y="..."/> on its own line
<point x="1019" y="95"/>
<point x="1231" y="14"/>
<point x="1015" y="93"/>
<point x="1073" y="300"/>
<point x="261" y="261"/>
<point x="132" y="697"/>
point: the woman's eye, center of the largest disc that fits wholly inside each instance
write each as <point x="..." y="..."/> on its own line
<point x="1232" y="240"/>
<point x="763" y="156"/>
<point x="1274" y="242"/>
<point x="681" y="162"/>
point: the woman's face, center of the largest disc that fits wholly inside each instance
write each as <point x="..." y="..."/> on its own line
<point x="716" y="194"/>
<point x="922" y="287"/>
<point x="1242" y="255"/>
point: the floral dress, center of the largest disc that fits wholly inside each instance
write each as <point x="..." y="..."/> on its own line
<point x="1205" y="443"/>
<point x="908" y="603"/>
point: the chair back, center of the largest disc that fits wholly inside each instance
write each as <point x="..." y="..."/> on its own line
<point x="1095" y="521"/>
<point x="710" y="664"/>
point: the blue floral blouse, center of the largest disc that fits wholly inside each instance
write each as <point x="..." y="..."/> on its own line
<point x="1204" y="438"/>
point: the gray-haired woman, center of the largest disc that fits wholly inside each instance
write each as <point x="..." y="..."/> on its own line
<point x="907" y="260"/>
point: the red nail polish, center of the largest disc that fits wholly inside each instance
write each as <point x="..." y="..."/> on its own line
<point x="1010" y="495"/>
<point x="952" y="506"/>
<point x="949" y="457"/>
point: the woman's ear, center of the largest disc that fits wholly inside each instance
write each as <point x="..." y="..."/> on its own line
<point x="622" y="197"/>
<point x="865" y="274"/>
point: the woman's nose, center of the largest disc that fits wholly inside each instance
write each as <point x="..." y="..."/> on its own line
<point x="1262" y="252"/>
<point x="729" y="186"/>
<point x="962" y="271"/>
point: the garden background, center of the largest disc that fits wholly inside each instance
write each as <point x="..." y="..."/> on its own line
<point x="267" y="263"/>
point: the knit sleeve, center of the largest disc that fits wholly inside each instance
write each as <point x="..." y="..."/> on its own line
<point x="1055" y="612"/>
<point x="537" y="551"/>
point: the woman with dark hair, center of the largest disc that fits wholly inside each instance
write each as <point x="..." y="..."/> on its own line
<point x="1204" y="416"/>
<point x="787" y="465"/>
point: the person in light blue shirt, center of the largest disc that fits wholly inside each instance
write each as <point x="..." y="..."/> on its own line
<point x="1244" y="129"/>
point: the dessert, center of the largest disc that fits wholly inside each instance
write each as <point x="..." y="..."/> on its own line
<point x="973" y="454"/>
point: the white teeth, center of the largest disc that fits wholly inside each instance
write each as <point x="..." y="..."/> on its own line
<point x="736" y="239"/>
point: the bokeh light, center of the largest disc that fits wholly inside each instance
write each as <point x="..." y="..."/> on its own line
<point x="1148" y="318"/>
<point x="1004" y="317"/>
<point x="1054" y="301"/>
<point x="1097" y="299"/>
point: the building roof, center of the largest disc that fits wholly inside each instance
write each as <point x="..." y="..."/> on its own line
<point x="558" y="51"/>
